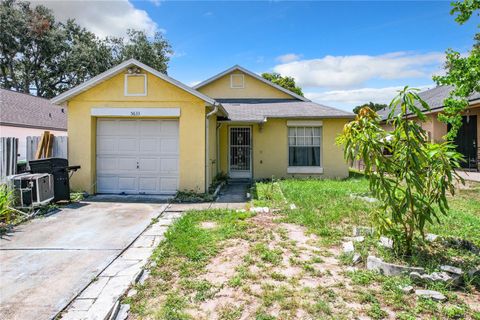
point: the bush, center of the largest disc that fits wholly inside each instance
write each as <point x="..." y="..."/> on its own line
<point x="413" y="178"/>
<point x="6" y="203"/>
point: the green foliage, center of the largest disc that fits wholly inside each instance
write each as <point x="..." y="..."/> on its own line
<point x="45" y="57"/>
<point x="6" y="202"/>
<point x="464" y="9"/>
<point x="284" y="82"/>
<point x="411" y="181"/>
<point x="462" y="71"/>
<point x="371" y="105"/>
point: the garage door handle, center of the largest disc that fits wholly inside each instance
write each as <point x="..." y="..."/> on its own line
<point x="138" y="167"/>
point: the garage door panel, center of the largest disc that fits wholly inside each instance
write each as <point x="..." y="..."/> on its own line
<point x="148" y="164"/>
<point x="126" y="164"/>
<point x="105" y="126"/>
<point x="107" y="183"/>
<point x="126" y="128"/>
<point x="107" y="163"/>
<point x="106" y="144"/>
<point x="149" y="145"/>
<point x="168" y="184"/>
<point x="127" y="184"/>
<point x="127" y="145"/>
<point x="137" y="156"/>
<point x="169" y="146"/>
<point x="169" y="166"/>
<point x="169" y="128"/>
<point x="150" y="128"/>
<point x="148" y="184"/>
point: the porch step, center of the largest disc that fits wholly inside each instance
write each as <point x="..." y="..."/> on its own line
<point x="239" y="181"/>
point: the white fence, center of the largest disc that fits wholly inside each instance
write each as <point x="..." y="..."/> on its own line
<point x="9" y="153"/>
<point x="60" y="147"/>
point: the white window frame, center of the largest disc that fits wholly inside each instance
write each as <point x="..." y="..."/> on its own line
<point x="237" y="75"/>
<point x="135" y="94"/>
<point x="305" y="169"/>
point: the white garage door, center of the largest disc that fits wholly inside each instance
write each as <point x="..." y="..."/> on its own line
<point x="137" y="156"/>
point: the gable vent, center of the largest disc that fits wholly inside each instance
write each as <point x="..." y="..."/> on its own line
<point x="237" y="81"/>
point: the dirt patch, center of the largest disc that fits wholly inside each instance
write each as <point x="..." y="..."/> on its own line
<point x="222" y="267"/>
<point x="208" y="225"/>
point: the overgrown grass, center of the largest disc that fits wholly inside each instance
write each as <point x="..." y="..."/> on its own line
<point x="325" y="207"/>
<point x="184" y="254"/>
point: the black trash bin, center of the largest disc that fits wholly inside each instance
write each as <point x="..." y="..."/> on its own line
<point x="57" y="167"/>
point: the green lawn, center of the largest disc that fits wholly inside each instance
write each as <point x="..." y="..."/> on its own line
<point x="327" y="208"/>
<point x="221" y="264"/>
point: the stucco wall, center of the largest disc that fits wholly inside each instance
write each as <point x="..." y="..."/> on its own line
<point x="254" y="88"/>
<point x="82" y="127"/>
<point x="438" y="129"/>
<point x="270" y="150"/>
<point x="22" y="134"/>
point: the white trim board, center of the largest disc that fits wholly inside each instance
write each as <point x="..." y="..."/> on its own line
<point x="237" y="75"/>
<point x="304" y="123"/>
<point x="305" y="170"/>
<point x="144" y="94"/>
<point x="135" y="112"/>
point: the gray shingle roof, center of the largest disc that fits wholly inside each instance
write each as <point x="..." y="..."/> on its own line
<point x="256" y="110"/>
<point x="24" y="110"/>
<point x="433" y="97"/>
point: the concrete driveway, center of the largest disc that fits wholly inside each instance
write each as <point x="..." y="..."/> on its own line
<point x="46" y="262"/>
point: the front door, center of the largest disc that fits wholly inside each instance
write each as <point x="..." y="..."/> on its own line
<point x="466" y="141"/>
<point x="240" y="152"/>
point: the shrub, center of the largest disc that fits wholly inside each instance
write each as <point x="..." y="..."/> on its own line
<point x="6" y="202"/>
<point x="408" y="174"/>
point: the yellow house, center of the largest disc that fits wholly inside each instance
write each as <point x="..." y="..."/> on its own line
<point x="134" y="130"/>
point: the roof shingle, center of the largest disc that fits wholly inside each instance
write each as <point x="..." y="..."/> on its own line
<point x="256" y="110"/>
<point x="20" y="109"/>
<point x="433" y="97"/>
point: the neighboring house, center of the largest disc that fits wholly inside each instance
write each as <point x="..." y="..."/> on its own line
<point x="135" y="130"/>
<point x="468" y="137"/>
<point x="23" y="115"/>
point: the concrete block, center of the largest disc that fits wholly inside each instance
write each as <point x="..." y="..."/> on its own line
<point x="390" y="269"/>
<point x="348" y="247"/>
<point x="123" y="267"/>
<point x="451" y="269"/>
<point x="94" y="289"/>
<point x="146" y="241"/>
<point x="155" y="230"/>
<point x="82" y="304"/>
<point x="137" y="254"/>
<point x="431" y="294"/>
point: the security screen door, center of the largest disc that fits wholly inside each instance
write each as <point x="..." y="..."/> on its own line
<point x="240" y="152"/>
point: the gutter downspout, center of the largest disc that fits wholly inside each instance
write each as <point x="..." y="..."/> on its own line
<point x="207" y="146"/>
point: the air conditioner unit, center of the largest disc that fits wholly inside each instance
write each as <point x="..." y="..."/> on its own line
<point x="32" y="190"/>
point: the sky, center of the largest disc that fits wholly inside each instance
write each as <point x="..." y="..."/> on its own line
<point x="342" y="53"/>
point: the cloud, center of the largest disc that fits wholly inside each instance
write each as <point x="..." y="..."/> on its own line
<point x="289" y="57"/>
<point x="104" y="18"/>
<point x="156" y="3"/>
<point x="342" y="72"/>
<point x="351" y="98"/>
<point x="208" y="14"/>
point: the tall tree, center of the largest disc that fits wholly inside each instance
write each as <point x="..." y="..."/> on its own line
<point x="372" y="105"/>
<point x="155" y="52"/>
<point x="463" y="71"/>
<point x="41" y="56"/>
<point x="284" y="82"/>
